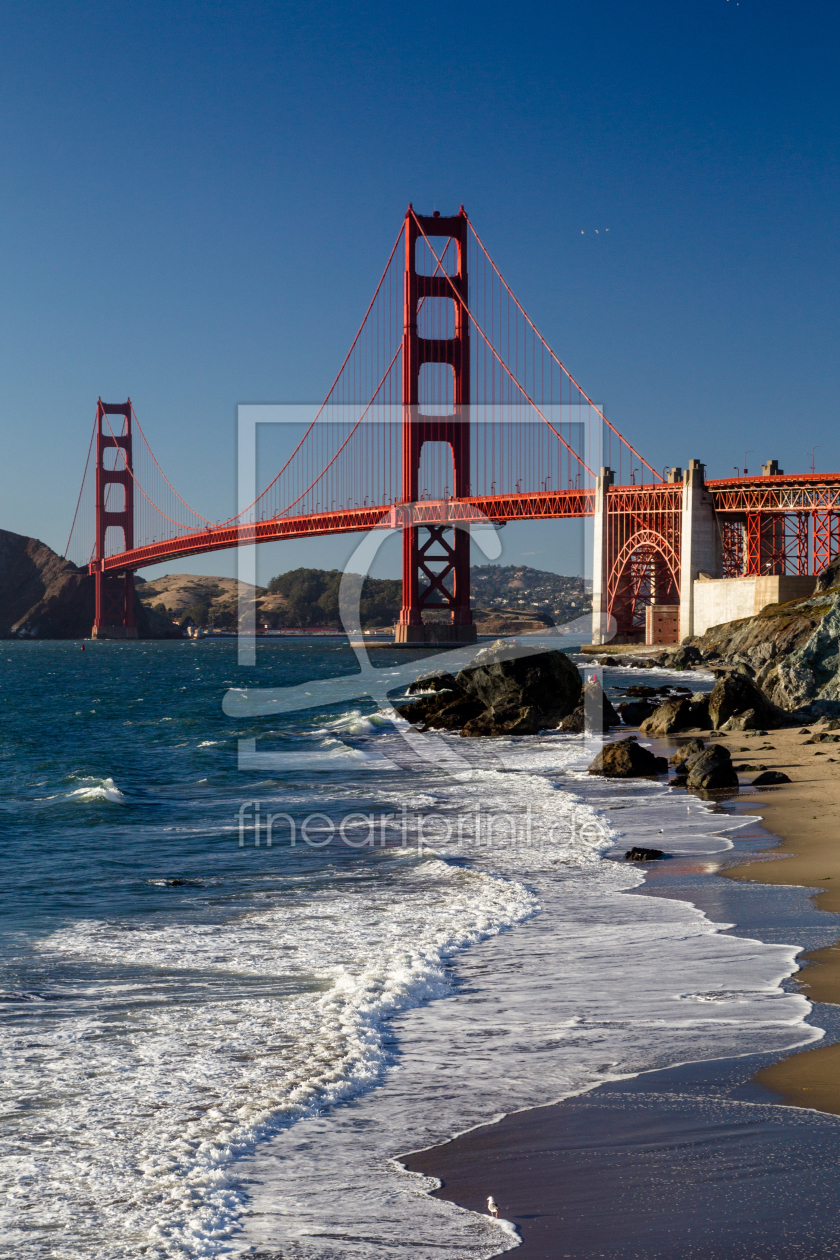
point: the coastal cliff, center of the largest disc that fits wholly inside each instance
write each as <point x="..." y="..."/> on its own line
<point x="44" y="596"/>
<point x="791" y="650"/>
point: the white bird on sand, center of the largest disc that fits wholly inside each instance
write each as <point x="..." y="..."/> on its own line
<point x="492" y="1206"/>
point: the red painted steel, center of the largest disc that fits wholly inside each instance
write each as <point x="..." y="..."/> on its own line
<point x="425" y="472"/>
<point x="826" y="539"/>
<point x="446" y="573"/>
<point x="114" y="590"/>
<point x="732" y="547"/>
<point x="644" y="529"/>
<point x="565" y="504"/>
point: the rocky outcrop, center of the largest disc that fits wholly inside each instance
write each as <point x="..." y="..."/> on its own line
<point x="791" y="651"/>
<point x="44" y="596"/>
<point x="626" y="759"/>
<point x="736" y="703"/>
<point x="640" y="854"/>
<point x="811" y="672"/>
<point x="682" y="657"/>
<point x="505" y="692"/>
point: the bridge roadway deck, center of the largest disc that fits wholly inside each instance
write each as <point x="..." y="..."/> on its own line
<point x="497" y="509"/>
<point x="815" y="492"/>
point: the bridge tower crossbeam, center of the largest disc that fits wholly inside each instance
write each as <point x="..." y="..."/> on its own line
<point x="114" y="616"/>
<point x="445" y="574"/>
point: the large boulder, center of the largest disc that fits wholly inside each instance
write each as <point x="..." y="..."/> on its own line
<point x="700" y="711"/>
<point x="594" y="714"/>
<point x="446" y="709"/>
<point x="541" y="679"/>
<point x="711" y="769"/>
<point x="634" y="712"/>
<point x="734" y="694"/>
<point x="626" y="759"/>
<point x="437" y="681"/>
<point x="682" y="657"/>
<point x="691" y="748"/>
<point x="505" y="719"/>
<point x="770" y="777"/>
<point x="677" y="714"/>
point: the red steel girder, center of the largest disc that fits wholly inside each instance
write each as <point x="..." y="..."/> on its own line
<point x="562" y="504"/>
<point x="818" y="492"/>
<point x="732" y="547"/>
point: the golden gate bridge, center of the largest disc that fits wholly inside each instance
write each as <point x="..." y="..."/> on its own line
<point x="451" y="409"/>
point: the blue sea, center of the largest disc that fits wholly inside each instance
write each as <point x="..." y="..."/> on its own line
<point x="216" y="1046"/>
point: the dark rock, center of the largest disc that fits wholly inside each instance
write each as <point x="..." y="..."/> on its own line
<point x="505" y="719"/>
<point x="711" y="769"/>
<point x="686" y="751"/>
<point x="639" y="690"/>
<point x="423" y="709"/>
<point x="676" y="714"/>
<point x="679" y="780"/>
<point x="454" y="715"/>
<point x="746" y="721"/>
<point x="438" y="681"/>
<point x="829" y="578"/>
<point x="574" y="723"/>
<point x="682" y="657"/>
<point x="638" y="854"/>
<point x="626" y="759"/>
<point x="700" y="710"/>
<point x="734" y="694"/>
<point x="770" y="776"/>
<point x="595" y="714"/>
<point x="634" y="712"/>
<point x="542" y="679"/>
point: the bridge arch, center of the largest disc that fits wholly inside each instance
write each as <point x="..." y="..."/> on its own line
<point x="646" y="570"/>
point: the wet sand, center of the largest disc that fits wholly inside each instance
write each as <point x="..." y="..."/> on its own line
<point x="698" y="1161"/>
<point x="805" y="814"/>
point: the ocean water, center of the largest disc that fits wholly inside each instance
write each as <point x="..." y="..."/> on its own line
<point x="213" y="1046"/>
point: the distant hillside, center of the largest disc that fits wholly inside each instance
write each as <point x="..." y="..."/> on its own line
<point x="521" y="589"/>
<point x="505" y="599"/>
<point x="44" y="596"/>
<point x="204" y="600"/>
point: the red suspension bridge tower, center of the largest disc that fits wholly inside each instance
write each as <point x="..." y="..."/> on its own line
<point x="451" y="407"/>
<point x="114" y="617"/>
<point x="441" y="561"/>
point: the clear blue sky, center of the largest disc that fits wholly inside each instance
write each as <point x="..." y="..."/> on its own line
<point x="197" y="200"/>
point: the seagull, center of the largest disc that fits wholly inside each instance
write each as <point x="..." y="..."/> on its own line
<point x="492" y="1206"/>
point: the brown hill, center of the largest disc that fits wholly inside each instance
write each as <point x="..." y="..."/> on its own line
<point x="44" y="596"/>
<point x="208" y="600"/>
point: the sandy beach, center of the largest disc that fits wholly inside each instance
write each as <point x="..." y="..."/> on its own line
<point x="645" y="1162"/>
<point x="803" y="814"/>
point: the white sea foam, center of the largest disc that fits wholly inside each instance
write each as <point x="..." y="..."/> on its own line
<point x="92" y="789"/>
<point x="235" y="1040"/>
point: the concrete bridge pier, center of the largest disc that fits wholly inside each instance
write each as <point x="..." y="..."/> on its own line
<point x="700" y="548"/>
